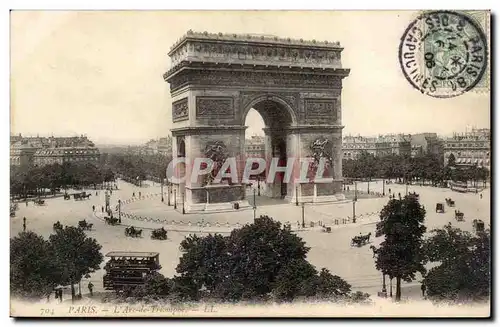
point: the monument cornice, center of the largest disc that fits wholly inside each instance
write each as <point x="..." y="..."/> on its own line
<point x="254" y="68"/>
<point x="190" y="130"/>
<point x="252" y="39"/>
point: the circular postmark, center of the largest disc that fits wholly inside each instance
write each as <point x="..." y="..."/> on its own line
<point x="443" y="53"/>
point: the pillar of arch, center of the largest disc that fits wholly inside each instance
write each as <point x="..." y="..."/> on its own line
<point x="215" y="79"/>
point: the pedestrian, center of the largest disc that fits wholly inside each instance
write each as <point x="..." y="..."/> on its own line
<point x="91" y="288"/>
<point x="24" y="224"/>
<point x="96" y="193"/>
<point x="93" y="208"/>
<point x="26" y="202"/>
<point x="139" y="195"/>
<point x="480" y="195"/>
<point x="60" y="295"/>
<point x="102" y="209"/>
<point x="423" y="288"/>
<point x="399" y="195"/>
<point x="389" y="191"/>
<point x="133" y="194"/>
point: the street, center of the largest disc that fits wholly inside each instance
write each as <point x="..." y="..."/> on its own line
<point x="329" y="250"/>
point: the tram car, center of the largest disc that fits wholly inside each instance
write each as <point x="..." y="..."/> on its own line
<point x="125" y="269"/>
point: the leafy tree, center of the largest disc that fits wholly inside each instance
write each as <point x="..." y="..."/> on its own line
<point x="451" y="160"/>
<point x="33" y="273"/>
<point x="253" y="262"/>
<point x="332" y="286"/>
<point x="297" y="278"/>
<point x="400" y="255"/>
<point x="76" y="255"/>
<point x="464" y="268"/>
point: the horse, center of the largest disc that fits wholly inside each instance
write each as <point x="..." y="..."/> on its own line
<point x="132" y="232"/>
<point x="374" y="249"/>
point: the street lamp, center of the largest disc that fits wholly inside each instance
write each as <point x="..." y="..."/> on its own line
<point x="384" y="289"/>
<point x="354" y="211"/>
<point x="383" y="187"/>
<point x="119" y="211"/>
<point x="355" y="191"/>
<point x="303" y="216"/>
<point x="162" y="200"/>
<point x="169" y="191"/>
<point x="175" y="198"/>
<point x="183" y="206"/>
<point x="254" y="207"/>
<point x="297" y="196"/>
<point x="258" y="184"/>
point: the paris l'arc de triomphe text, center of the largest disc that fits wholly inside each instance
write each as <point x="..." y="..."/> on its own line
<point x="215" y="79"/>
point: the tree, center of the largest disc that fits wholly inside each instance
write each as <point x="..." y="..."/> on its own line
<point x="252" y="263"/>
<point x="33" y="273"/>
<point x="464" y="268"/>
<point x="76" y="255"/>
<point x="400" y="255"/>
<point x="297" y="278"/>
<point x="451" y="160"/>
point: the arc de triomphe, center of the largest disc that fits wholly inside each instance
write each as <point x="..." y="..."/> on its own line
<point x="215" y="79"/>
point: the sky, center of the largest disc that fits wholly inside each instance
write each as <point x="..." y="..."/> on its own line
<point x="99" y="73"/>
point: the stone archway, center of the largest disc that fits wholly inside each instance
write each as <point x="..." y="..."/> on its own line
<point x="278" y="117"/>
<point x="296" y="85"/>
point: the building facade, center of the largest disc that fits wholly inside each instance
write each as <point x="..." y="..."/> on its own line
<point x="255" y="147"/>
<point x="60" y="155"/>
<point x="41" y="151"/>
<point x="382" y="145"/>
<point x="469" y="148"/>
<point x="426" y="143"/>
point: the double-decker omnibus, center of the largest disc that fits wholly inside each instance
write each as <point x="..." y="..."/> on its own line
<point x="459" y="186"/>
<point x="129" y="268"/>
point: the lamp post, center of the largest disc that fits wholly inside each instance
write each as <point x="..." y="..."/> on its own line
<point x="169" y="191"/>
<point x="24" y="224"/>
<point x="297" y="196"/>
<point x="384" y="289"/>
<point x="354" y="211"/>
<point x="183" y="206"/>
<point x="355" y="191"/>
<point x="406" y="187"/>
<point x="175" y="198"/>
<point x="303" y="215"/>
<point x="162" y="199"/>
<point x="383" y="187"/>
<point x="258" y="184"/>
<point x="119" y="211"/>
<point x="254" y="207"/>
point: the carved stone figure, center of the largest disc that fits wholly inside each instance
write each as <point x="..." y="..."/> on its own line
<point x="320" y="150"/>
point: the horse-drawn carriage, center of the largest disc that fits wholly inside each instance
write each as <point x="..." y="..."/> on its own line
<point x="13" y="208"/>
<point x="67" y="196"/>
<point x="39" y="202"/>
<point x="83" y="224"/>
<point x="57" y="226"/>
<point x="439" y="207"/>
<point x="111" y="221"/>
<point x="360" y="240"/>
<point x="459" y="215"/>
<point x="81" y="196"/>
<point x="326" y="229"/>
<point x="450" y="202"/>
<point x="133" y="232"/>
<point x="478" y="225"/>
<point x="159" y="234"/>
